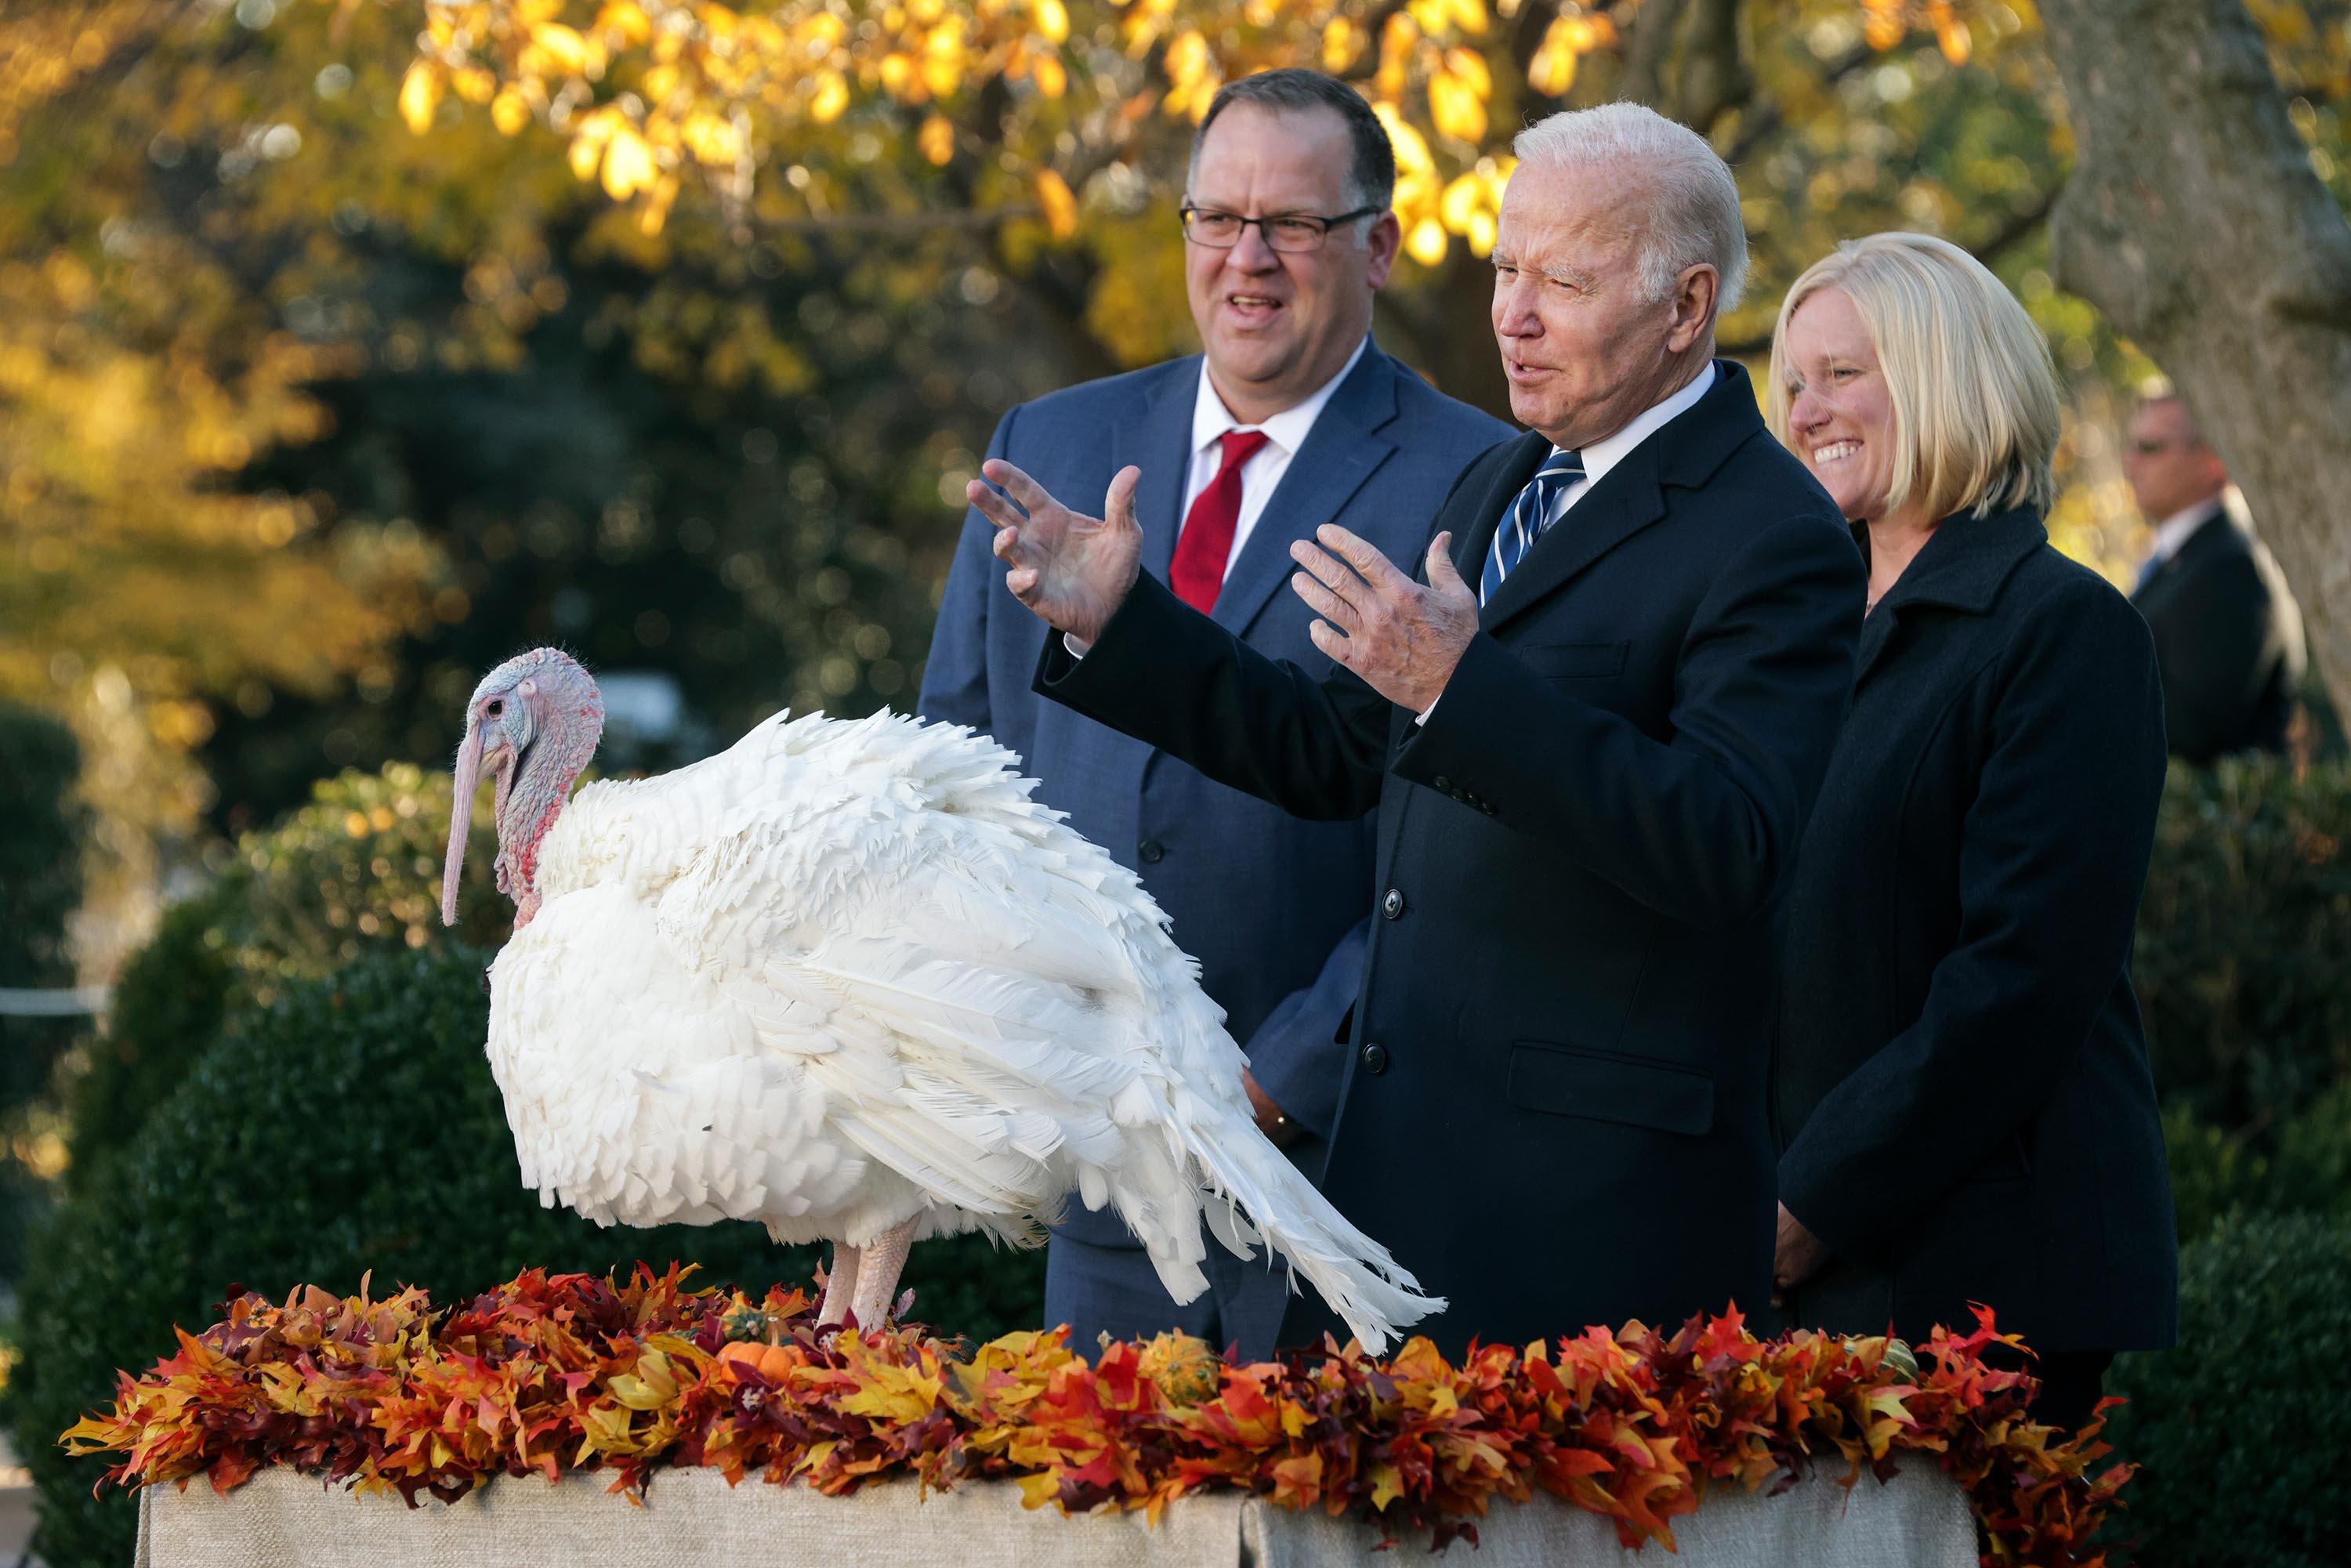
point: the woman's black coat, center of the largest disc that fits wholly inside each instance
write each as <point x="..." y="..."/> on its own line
<point x="1960" y="1082"/>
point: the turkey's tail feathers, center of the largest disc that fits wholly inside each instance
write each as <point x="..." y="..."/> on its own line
<point x="1236" y="1165"/>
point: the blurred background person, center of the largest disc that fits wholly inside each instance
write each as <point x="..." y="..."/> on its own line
<point x="2228" y="634"/>
<point x="1962" y="1091"/>
<point x="1294" y="415"/>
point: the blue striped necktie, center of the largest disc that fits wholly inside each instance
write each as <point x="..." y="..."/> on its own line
<point x="1530" y="515"/>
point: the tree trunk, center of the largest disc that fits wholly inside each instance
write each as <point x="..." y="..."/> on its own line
<point x="2194" y="221"/>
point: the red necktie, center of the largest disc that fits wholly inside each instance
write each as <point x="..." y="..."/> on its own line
<point x="1198" y="570"/>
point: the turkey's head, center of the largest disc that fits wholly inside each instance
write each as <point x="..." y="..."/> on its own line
<point x="533" y="723"/>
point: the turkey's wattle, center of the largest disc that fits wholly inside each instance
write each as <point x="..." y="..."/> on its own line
<point x="848" y="980"/>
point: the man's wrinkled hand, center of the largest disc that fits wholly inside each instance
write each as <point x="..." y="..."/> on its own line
<point x="1403" y="637"/>
<point x="1072" y="571"/>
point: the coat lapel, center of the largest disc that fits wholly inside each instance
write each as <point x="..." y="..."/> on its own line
<point x="1471" y="541"/>
<point x="1686" y="451"/>
<point x="1156" y="438"/>
<point x="1341" y="450"/>
<point x="1605" y="516"/>
<point x="1961" y="568"/>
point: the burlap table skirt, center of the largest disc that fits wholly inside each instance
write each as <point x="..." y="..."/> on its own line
<point x="691" y="1519"/>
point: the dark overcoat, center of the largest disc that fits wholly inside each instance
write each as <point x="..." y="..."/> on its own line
<point x="1555" y="1115"/>
<point x="2228" y="638"/>
<point x="1960" y="1080"/>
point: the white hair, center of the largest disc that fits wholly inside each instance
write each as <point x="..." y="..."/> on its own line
<point x="1694" y="212"/>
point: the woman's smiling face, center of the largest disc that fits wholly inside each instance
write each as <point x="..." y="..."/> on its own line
<point x="1840" y="413"/>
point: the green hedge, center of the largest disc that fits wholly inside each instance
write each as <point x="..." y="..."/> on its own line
<point x="2240" y="1430"/>
<point x="2242" y="963"/>
<point x="351" y="1126"/>
<point x="355" y="871"/>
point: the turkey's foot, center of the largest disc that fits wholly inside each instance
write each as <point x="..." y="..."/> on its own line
<point x="839" y="1286"/>
<point x="879" y="1266"/>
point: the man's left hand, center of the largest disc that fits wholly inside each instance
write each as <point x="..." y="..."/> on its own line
<point x="1403" y="637"/>
<point x="1796" y="1257"/>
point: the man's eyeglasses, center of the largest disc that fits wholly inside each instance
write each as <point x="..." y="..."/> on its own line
<point x="1285" y="230"/>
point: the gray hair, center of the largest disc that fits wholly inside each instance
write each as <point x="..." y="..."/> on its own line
<point x="1694" y="212"/>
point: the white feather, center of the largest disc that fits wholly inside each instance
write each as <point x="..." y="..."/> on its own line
<point x="847" y="975"/>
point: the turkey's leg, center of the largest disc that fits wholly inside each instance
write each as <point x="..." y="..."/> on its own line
<point x="839" y="1284"/>
<point x="877" y="1276"/>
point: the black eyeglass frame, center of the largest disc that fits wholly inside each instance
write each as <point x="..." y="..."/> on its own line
<point x="1190" y="210"/>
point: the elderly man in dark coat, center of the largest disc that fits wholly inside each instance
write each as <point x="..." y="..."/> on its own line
<point x="1593" y="734"/>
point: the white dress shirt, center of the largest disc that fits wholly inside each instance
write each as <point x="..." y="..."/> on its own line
<point x="1598" y="458"/>
<point x="1609" y="451"/>
<point x="1285" y="433"/>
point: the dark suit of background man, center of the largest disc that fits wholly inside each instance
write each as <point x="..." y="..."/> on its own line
<point x="1273" y="907"/>
<point x="1556" y="1115"/>
<point x="2228" y="634"/>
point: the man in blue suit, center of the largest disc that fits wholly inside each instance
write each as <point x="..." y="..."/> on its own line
<point x="1294" y="415"/>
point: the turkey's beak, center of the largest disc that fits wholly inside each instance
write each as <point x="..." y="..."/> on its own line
<point x="461" y="817"/>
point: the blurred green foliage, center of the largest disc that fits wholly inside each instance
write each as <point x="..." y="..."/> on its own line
<point x="356" y="870"/>
<point x="43" y="828"/>
<point x="2240" y="1430"/>
<point x="2241" y="964"/>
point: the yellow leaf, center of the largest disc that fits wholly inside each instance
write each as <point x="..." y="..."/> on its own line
<point x="1427" y="244"/>
<point x="420" y="95"/>
<point x="832" y="94"/>
<point x="509" y="111"/>
<point x="1051" y="78"/>
<point x="1052" y="19"/>
<point x="586" y="152"/>
<point x="628" y="165"/>
<point x="566" y="48"/>
<point x="936" y="138"/>
<point x="1411" y="150"/>
<point x="1342" y="42"/>
<point x="1059" y="204"/>
<point x="1553" y="70"/>
<point x="1455" y="108"/>
<point x="1952" y="33"/>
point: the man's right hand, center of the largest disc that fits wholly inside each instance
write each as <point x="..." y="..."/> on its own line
<point x="1072" y="571"/>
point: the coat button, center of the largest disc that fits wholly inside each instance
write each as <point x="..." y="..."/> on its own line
<point x="1442" y="785"/>
<point x="1393" y="904"/>
<point x="1153" y="851"/>
<point x="1375" y="1058"/>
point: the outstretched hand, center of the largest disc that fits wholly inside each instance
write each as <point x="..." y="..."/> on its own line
<point x="1404" y="638"/>
<point x="1072" y="571"/>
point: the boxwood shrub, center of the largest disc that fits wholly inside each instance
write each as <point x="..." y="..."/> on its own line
<point x="2240" y="1430"/>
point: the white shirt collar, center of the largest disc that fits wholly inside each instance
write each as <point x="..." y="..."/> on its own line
<point x="1609" y="451"/>
<point x="1287" y="430"/>
<point x="2174" y="530"/>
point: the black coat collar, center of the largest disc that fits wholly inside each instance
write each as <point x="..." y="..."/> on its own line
<point x="1683" y="453"/>
<point x="1962" y="568"/>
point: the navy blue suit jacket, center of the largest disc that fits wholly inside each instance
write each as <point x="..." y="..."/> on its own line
<point x="1273" y="907"/>
<point x="1556" y="1113"/>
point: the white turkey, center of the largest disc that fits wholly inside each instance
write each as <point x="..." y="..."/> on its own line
<point x="848" y="980"/>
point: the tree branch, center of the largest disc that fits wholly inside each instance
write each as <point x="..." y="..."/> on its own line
<point x="2020" y="226"/>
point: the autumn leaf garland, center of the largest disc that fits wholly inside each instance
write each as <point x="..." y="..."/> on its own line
<point x="551" y="1373"/>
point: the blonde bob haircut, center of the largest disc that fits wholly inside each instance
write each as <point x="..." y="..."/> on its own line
<point x="1968" y="375"/>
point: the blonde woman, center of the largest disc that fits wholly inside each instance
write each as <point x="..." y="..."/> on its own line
<point x="1960" y="1082"/>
